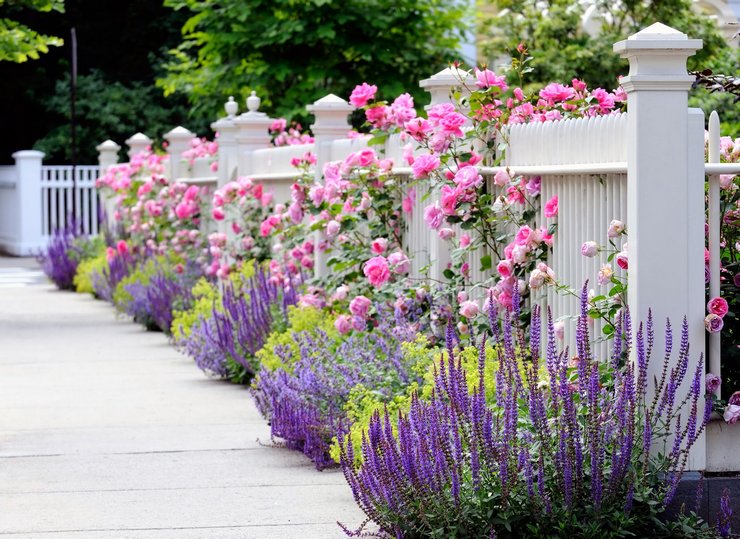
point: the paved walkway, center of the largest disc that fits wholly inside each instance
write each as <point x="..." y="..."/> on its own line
<point x="106" y="431"/>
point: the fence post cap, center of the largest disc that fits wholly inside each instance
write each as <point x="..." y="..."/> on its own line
<point x="179" y="133"/>
<point x="330" y="102"/>
<point x="450" y="76"/>
<point x="28" y="154"/>
<point x="107" y="145"/>
<point x="655" y="37"/>
<point x="138" y="137"/>
<point x="231" y="107"/>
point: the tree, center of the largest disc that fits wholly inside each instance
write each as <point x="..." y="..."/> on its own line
<point x="19" y="42"/>
<point x="293" y="52"/>
<point x="553" y="32"/>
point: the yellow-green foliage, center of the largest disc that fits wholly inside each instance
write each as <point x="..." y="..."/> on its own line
<point x="363" y="403"/>
<point x="85" y="269"/>
<point x="299" y="319"/>
<point x="207" y="295"/>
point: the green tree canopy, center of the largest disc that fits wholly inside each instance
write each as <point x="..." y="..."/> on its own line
<point x="552" y="31"/>
<point x="19" y="42"/>
<point x="293" y="52"/>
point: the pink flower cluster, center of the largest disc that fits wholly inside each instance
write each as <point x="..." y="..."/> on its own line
<point x="282" y="135"/>
<point x="199" y="148"/>
<point x="717" y="309"/>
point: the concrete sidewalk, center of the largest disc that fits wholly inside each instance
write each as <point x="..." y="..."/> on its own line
<point x="106" y="431"/>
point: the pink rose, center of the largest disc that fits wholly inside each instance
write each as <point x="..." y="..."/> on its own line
<point x="362" y="94"/>
<point x="559" y="330"/>
<point x="376" y="270"/>
<point x="551" y="207"/>
<point x="734" y="398"/>
<point x="452" y="122"/>
<point x="424" y="165"/>
<point x="732" y="414"/>
<point x="379" y="246"/>
<point x="623" y="260"/>
<point x="332" y="228"/>
<point x="465" y="240"/>
<point x="399" y="262"/>
<point x="446" y="233"/>
<point x="718" y="306"/>
<point x="448" y="199"/>
<point x="502" y="178"/>
<point x="504" y="268"/>
<point x="468" y="309"/>
<point x="367" y="157"/>
<point x="433" y="216"/>
<point x="468" y="177"/>
<point x="359" y="306"/>
<point x="487" y="79"/>
<point x="418" y="128"/>
<point x="590" y="249"/>
<point x="605" y="274"/>
<point x="616" y="228"/>
<point x="713" y="323"/>
<point x="555" y="92"/>
<point x="343" y="324"/>
<point x="712" y="382"/>
<point x="122" y="248"/>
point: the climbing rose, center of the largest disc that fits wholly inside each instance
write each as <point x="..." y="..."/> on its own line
<point x="555" y="92"/>
<point x="468" y="309"/>
<point x="379" y="246"/>
<point x="615" y="228"/>
<point x="359" y="306"/>
<point x="732" y="414"/>
<point x="376" y="270"/>
<point x="362" y="94"/>
<point x="713" y="323"/>
<point x="605" y="274"/>
<point x="424" y="164"/>
<point x="551" y="207"/>
<point x="718" y="306"/>
<point x="487" y="78"/>
<point x="433" y="216"/>
<point x="399" y="262"/>
<point x="712" y="382"/>
<point x="122" y="248"/>
<point x="590" y="249"/>
<point x="343" y="324"/>
<point x="623" y="260"/>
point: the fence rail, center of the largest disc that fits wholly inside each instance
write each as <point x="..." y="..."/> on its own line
<point x="68" y="195"/>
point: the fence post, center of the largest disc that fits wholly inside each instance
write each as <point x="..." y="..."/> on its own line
<point x="107" y="155"/>
<point x="137" y="143"/>
<point x="226" y="129"/>
<point x="330" y="123"/>
<point x="440" y="86"/>
<point x="665" y="201"/>
<point x="178" y="140"/>
<point x="30" y="239"/>
<point x="252" y="134"/>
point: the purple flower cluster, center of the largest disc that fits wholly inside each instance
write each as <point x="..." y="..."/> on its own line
<point x="153" y="302"/>
<point x="305" y="402"/>
<point x="225" y="343"/>
<point x="567" y="443"/>
<point x="60" y="258"/>
<point x="119" y="265"/>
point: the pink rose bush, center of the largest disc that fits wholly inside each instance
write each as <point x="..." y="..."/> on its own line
<point x="202" y="148"/>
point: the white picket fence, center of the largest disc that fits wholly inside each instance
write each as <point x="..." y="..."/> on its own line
<point x="645" y="168"/>
<point x="69" y="198"/>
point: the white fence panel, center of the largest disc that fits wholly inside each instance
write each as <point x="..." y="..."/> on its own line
<point x="64" y="200"/>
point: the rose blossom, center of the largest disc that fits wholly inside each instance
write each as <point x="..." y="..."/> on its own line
<point x="343" y="324"/>
<point x="469" y="309"/>
<point x="551" y="207"/>
<point x="340" y="293"/>
<point x="713" y="323"/>
<point x="718" y="306"/>
<point x="446" y="233"/>
<point x="623" y="260"/>
<point x="712" y="382"/>
<point x="487" y="79"/>
<point x="501" y="178"/>
<point x="734" y="398"/>
<point x="559" y="330"/>
<point x="399" y="262"/>
<point x="332" y="228"/>
<point x="376" y="270"/>
<point x="605" y="274"/>
<point x="424" y="164"/>
<point x="732" y="414"/>
<point x="465" y="240"/>
<point x="379" y="246"/>
<point x="359" y="306"/>
<point x="615" y="228"/>
<point x="362" y="94"/>
<point x="433" y="216"/>
<point x="468" y="177"/>
<point x="590" y="249"/>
